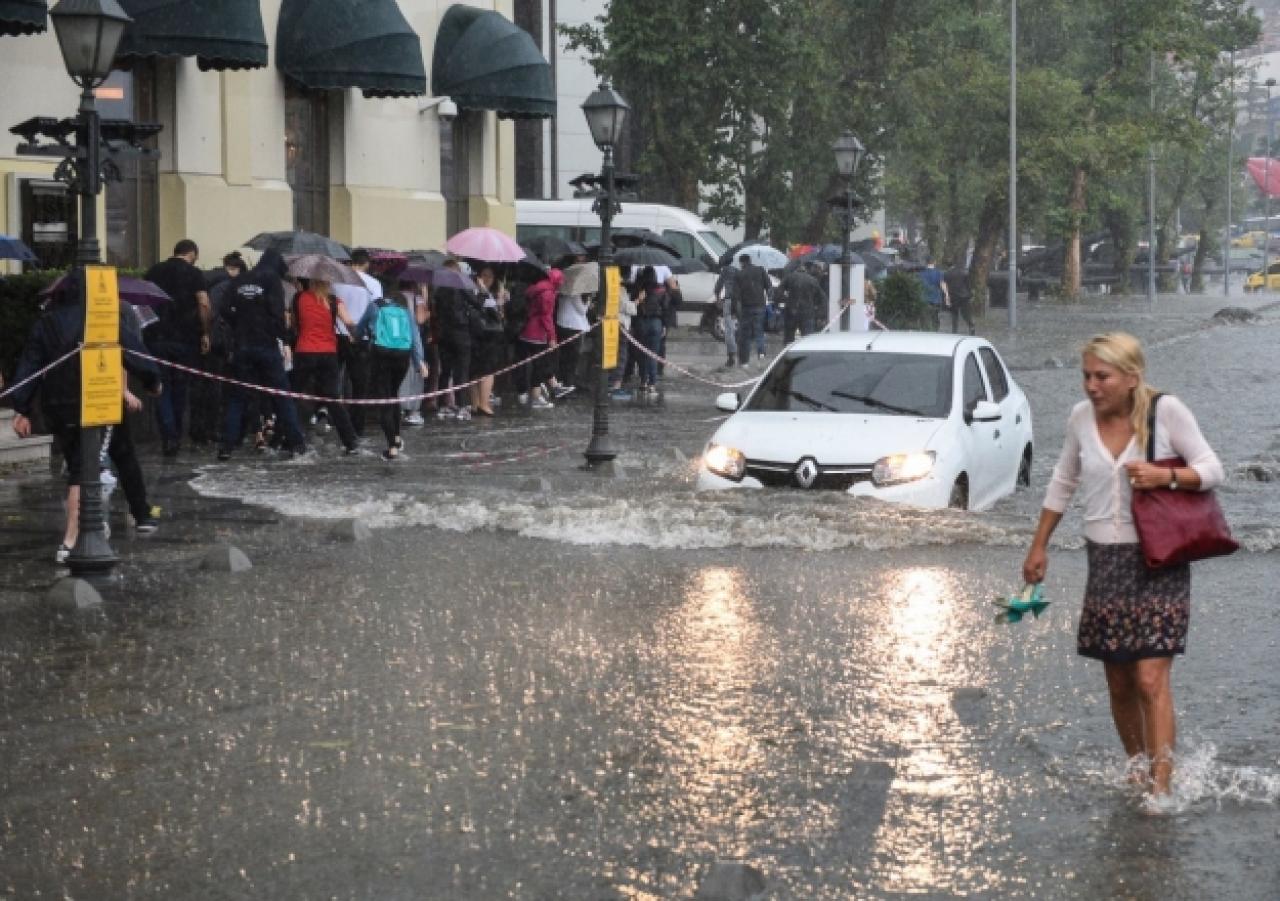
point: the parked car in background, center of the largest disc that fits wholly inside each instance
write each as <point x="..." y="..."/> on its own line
<point x="1254" y="281"/>
<point x="910" y="417"/>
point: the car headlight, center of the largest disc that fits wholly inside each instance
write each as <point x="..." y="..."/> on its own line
<point x="725" y="461"/>
<point x="899" y="468"/>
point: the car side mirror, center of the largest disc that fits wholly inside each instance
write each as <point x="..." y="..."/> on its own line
<point x="985" y="411"/>
<point x="728" y="402"/>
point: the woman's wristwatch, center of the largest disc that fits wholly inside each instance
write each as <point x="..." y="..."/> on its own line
<point x="1173" y="479"/>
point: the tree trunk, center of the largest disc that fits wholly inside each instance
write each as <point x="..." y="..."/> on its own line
<point x="1166" y="240"/>
<point x="991" y="222"/>
<point x="956" y="239"/>
<point x="1071" y="263"/>
<point x="1208" y="238"/>
<point x="1120" y="224"/>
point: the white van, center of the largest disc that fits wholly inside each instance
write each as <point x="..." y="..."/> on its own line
<point x="574" y="220"/>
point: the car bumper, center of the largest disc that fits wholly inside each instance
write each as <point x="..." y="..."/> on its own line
<point x="930" y="492"/>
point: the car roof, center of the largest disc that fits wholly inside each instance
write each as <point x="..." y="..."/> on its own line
<point x="889" y="341"/>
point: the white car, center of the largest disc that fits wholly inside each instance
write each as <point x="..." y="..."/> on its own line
<point x="918" y="418"/>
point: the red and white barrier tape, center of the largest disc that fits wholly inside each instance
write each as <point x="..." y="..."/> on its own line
<point x="35" y="375"/>
<point x="369" y="402"/>
<point x="680" y="369"/>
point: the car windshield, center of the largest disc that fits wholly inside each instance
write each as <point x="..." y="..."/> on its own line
<point x="886" y="384"/>
<point x="717" y="244"/>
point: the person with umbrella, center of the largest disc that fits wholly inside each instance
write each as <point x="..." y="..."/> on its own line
<point x="751" y="287"/>
<point x="353" y="354"/>
<point x="254" y="311"/>
<point x="58" y="330"/>
<point x="490" y="339"/>
<point x="181" y="335"/>
<point x="316" y="313"/>
<point x="538" y="335"/>
<point x="454" y="310"/>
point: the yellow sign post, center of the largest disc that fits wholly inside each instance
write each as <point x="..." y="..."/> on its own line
<point x="101" y="385"/>
<point x="102" y="306"/>
<point x="101" y="362"/>
<point x="609" y="327"/>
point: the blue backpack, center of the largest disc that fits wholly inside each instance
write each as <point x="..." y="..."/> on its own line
<point x="392" y="329"/>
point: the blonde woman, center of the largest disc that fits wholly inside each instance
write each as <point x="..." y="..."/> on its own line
<point x="1134" y="618"/>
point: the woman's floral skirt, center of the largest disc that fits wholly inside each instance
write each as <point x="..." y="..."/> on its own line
<point x="1130" y="610"/>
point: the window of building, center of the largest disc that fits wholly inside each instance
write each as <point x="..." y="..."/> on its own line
<point x="50" y="223"/>
<point x="306" y="136"/>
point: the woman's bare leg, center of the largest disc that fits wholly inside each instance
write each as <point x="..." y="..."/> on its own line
<point x="1126" y="710"/>
<point x="1155" y="694"/>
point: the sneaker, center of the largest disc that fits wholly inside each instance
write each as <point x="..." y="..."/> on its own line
<point x="563" y="391"/>
<point x="62" y="553"/>
<point x="760" y="355"/>
<point x="522" y="398"/>
<point x="447" y="413"/>
<point x="541" y="403"/>
<point x="746" y="365"/>
<point x="149" y="523"/>
<point x="352" y="451"/>
<point x="463" y="414"/>
<point x="224" y="453"/>
<point x="414" y="419"/>
<point x="391" y="454"/>
<point x="398" y="444"/>
<point x="621" y="394"/>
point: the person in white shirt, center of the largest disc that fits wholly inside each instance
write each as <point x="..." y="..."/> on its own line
<point x="354" y="354"/>
<point x="1134" y="618"/>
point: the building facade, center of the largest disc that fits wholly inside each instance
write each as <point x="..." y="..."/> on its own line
<point x="287" y="114"/>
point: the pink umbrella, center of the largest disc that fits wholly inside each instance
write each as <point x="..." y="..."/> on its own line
<point x="487" y="244"/>
<point x="1266" y="176"/>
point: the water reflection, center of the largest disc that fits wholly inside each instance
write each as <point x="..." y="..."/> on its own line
<point x="937" y="815"/>
<point x="715" y="657"/>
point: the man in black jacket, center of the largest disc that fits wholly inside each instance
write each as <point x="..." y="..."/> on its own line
<point x="803" y="296"/>
<point x="751" y="293"/>
<point x="960" y="294"/>
<point x="254" y="312"/>
<point x="59" y="330"/>
<point x="182" y="334"/>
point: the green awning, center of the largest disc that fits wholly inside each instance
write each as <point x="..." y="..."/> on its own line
<point x="22" y="16"/>
<point x="365" y="44"/>
<point x="220" y="34"/>
<point x="483" y="61"/>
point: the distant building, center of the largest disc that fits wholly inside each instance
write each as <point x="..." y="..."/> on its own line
<point x="335" y="130"/>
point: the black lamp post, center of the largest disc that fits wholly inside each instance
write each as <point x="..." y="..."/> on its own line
<point x="89" y="32"/>
<point x="606" y="113"/>
<point x="848" y="151"/>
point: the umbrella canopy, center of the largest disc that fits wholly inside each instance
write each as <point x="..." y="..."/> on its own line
<point x="136" y="291"/>
<point x="641" y="237"/>
<point x="326" y="269"/>
<point x="484" y="61"/>
<point x="296" y="243"/>
<point x="387" y="263"/>
<point x="448" y="278"/>
<point x="645" y="256"/>
<point x="762" y="255"/>
<point x="326" y="45"/>
<point x="1266" y="174"/>
<point x="14" y="249"/>
<point x="22" y="16"/>
<point x="688" y="266"/>
<point x="551" y="249"/>
<point x="581" y="278"/>
<point x="432" y="259"/>
<point x="487" y="244"/>
<point x="220" y="34"/>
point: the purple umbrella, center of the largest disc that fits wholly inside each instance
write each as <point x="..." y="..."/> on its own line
<point x="447" y="278"/>
<point x="136" y="291"/>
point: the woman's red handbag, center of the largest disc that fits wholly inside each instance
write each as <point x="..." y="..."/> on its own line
<point x="1178" y="526"/>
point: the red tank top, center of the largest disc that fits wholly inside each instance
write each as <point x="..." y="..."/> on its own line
<point x="315" y="325"/>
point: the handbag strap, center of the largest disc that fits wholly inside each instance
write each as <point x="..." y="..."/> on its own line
<point x="1151" y="428"/>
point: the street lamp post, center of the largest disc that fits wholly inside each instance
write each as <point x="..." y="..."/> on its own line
<point x="1014" y="244"/>
<point x="848" y="151"/>
<point x="89" y="32"/>
<point x="606" y="113"/>
<point x="1266" y="193"/>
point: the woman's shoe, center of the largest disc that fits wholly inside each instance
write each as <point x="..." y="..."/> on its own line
<point x="481" y="411"/>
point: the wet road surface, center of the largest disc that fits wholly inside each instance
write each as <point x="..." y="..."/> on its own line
<point x="597" y="690"/>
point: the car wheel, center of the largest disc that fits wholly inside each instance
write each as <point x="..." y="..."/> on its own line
<point x="1024" y="469"/>
<point x="959" y="495"/>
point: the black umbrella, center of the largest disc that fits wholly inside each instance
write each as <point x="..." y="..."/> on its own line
<point x="688" y="266"/>
<point x="641" y="237"/>
<point x="432" y="259"/>
<point x="551" y="249"/>
<point x="644" y="255"/>
<point x="298" y="243"/>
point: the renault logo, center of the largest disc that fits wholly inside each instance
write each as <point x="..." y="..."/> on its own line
<point x="806" y="472"/>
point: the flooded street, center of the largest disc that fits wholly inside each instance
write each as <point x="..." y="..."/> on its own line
<point x="534" y="682"/>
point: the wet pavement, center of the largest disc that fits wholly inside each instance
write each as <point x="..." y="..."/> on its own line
<point x="535" y="682"/>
